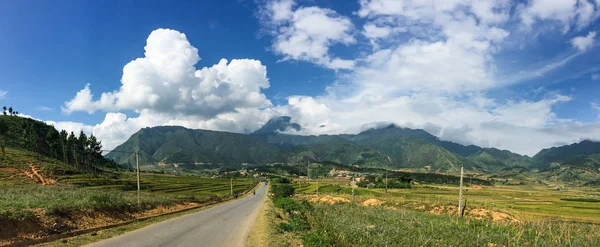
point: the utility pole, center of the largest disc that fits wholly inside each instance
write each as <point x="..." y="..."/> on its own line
<point x="386" y="175"/>
<point x="460" y="192"/>
<point x="386" y="181"/>
<point x="137" y="166"/>
<point x="317" y="185"/>
<point x="231" y="185"/>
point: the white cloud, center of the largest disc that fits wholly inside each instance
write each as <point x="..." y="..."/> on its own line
<point x="3" y="94"/>
<point x="565" y="12"/>
<point x="373" y="31"/>
<point x="166" y="81"/>
<point x="583" y="43"/>
<point x="45" y="108"/>
<point x="74" y="127"/>
<point x="596" y="107"/>
<point x="307" y="33"/>
<point x="596" y="77"/>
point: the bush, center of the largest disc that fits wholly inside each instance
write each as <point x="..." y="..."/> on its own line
<point x="283" y="190"/>
<point x="287" y="204"/>
<point x="281" y="180"/>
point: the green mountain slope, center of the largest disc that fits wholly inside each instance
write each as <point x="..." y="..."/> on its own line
<point x="494" y="159"/>
<point x="582" y="154"/>
<point x="406" y="148"/>
<point x="173" y="144"/>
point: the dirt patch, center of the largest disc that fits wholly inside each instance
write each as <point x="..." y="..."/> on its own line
<point x="477" y="213"/>
<point x="443" y="210"/>
<point x="13" y="170"/>
<point x="331" y="200"/>
<point x="476" y="187"/>
<point x="484" y="214"/>
<point x="372" y="202"/>
<point x="35" y="175"/>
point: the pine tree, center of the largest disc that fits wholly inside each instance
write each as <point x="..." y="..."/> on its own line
<point x="72" y="149"/>
<point x="63" y="144"/>
<point x="3" y="131"/>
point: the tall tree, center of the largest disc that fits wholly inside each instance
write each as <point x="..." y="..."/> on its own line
<point x="63" y="144"/>
<point x="72" y="146"/>
<point x="3" y="131"/>
<point x="53" y="142"/>
<point x="82" y="148"/>
<point x="4" y="110"/>
<point x="10" y="110"/>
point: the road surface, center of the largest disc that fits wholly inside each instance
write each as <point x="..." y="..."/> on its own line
<point x="224" y="225"/>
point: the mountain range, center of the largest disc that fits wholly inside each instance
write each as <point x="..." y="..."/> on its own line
<point x="390" y="147"/>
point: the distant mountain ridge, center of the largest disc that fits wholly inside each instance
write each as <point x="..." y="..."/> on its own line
<point x="388" y="147"/>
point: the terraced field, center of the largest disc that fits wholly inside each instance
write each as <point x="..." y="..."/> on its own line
<point x="191" y="187"/>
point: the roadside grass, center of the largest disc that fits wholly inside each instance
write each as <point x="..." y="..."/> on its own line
<point x="264" y="232"/>
<point x="353" y="225"/>
<point x="81" y="240"/>
<point x="81" y="193"/>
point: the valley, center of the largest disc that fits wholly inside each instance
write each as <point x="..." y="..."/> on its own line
<point x="390" y="175"/>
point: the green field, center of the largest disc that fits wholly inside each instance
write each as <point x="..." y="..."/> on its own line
<point x="524" y="202"/>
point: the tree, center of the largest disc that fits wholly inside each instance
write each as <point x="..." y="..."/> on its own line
<point x="53" y="141"/>
<point x="3" y="131"/>
<point x="10" y="110"/>
<point x="82" y="148"/>
<point x="63" y="144"/>
<point x="4" y="110"/>
<point x="72" y="145"/>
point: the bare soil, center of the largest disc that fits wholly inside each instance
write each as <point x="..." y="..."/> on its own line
<point x="331" y="200"/>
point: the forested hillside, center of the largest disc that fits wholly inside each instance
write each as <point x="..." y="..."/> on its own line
<point x="79" y="151"/>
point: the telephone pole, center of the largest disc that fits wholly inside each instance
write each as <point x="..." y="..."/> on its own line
<point x="231" y="185"/>
<point x="137" y="166"/>
<point x="460" y="192"/>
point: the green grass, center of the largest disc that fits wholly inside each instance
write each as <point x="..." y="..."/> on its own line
<point x="112" y="193"/>
<point x="580" y="199"/>
<point x="353" y="225"/>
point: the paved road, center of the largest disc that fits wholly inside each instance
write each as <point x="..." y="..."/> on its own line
<point x="225" y="225"/>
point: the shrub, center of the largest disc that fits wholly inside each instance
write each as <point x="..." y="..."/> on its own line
<point x="283" y="190"/>
<point x="287" y="204"/>
<point x="281" y="180"/>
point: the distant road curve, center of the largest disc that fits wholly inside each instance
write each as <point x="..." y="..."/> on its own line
<point x="227" y="224"/>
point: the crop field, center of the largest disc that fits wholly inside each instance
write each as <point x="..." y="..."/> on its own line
<point x="524" y="202"/>
<point x="188" y="187"/>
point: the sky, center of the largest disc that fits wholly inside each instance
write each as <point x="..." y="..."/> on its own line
<point x="515" y="75"/>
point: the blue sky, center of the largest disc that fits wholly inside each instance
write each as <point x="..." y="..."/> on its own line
<point x="531" y="67"/>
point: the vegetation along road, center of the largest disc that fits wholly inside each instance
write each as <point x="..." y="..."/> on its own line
<point x="225" y="225"/>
